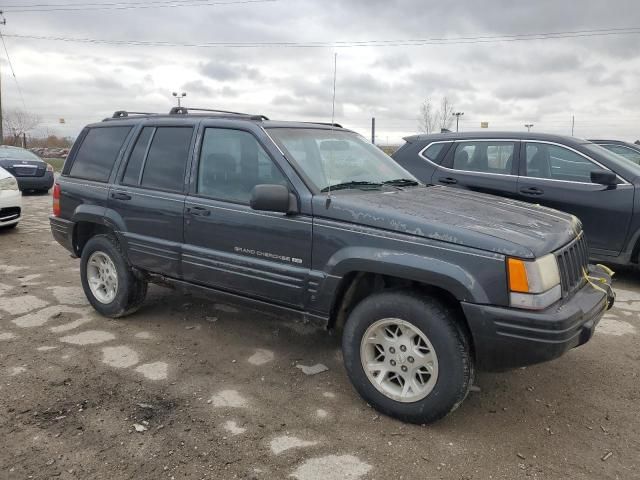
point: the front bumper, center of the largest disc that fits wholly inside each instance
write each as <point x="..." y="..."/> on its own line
<point x="36" y="183"/>
<point x="10" y="207"/>
<point x="507" y="338"/>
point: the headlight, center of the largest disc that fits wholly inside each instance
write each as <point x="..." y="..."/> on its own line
<point x="533" y="284"/>
<point x="8" y="183"/>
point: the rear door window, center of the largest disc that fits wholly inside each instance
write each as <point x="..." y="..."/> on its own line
<point x="484" y="157"/>
<point x="164" y="167"/>
<point x="98" y="153"/>
<point x="557" y="163"/>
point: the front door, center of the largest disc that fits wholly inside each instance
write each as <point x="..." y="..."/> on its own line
<point x="481" y="165"/>
<point x="559" y="177"/>
<point x="149" y="197"/>
<point x="230" y="246"/>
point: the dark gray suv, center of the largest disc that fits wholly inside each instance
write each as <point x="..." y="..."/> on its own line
<point x="311" y="220"/>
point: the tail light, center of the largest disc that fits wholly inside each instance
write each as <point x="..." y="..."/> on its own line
<point x="56" y="200"/>
<point x="49" y="167"/>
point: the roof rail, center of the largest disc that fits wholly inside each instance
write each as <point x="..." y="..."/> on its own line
<point x="124" y="113"/>
<point x="337" y="125"/>
<point x="185" y="111"/>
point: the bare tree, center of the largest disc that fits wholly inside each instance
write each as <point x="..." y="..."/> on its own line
<point x="445" y="114"/>
<point x="431" y="118"/>
<point x="427" y="120"/>
<point x="18" y="122"/>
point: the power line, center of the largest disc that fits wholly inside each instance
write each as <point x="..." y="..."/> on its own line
<point x="344" y="44"/>
<point x="79" y="7"/>
<point x="12" y="70"/>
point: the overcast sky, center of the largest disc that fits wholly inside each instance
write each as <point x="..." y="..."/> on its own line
<point x="507" y="84"/>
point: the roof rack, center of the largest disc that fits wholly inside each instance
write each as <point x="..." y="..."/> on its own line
<point x="185" y="111"/>
<point x="124" y="113"/>
<point x="337" y="125"/>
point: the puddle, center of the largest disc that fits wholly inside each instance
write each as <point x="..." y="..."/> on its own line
<point x="154" y="371"/>
<point x="261" y="357"/>
<point x="225" y="308"/>
<point x="329" y="395"/>
<point x="285" y="442"/>
<point x="17" y="371"/>
<point x="71" y="325"/>
<point x="119" y="357"/>
<point x="336" y="467"/>
<point x="144" y="335"/>
<point x="7" y="336"/>
<point x="21" y="304"/>
<point x="39" y="318"/>
<point x="69" y="295"/>
<point x="320" y="413"/>
<point x="228" y="398"/>
<point x="46" y="348"/>
<point x="618" y="328"/>
<point x="90" y="337"/>
<point x="231" y="427"/>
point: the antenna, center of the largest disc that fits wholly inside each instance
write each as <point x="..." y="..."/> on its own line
<point x="333" y="116"/>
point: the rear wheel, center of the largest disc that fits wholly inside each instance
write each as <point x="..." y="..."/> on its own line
<point x="109" y="283"/>
<point x="407" y="356"/>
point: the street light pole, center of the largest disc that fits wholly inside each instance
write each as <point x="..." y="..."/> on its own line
<point x="528" y="126"/>
<point x="458" y="115"/>
<point x="179" y="97"/>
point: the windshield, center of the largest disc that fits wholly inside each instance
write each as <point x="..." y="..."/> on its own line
<point x="624" y="151"/>
<point x="616" y="159"/>
<point x="335" y="158"/>
<point x="16" y="154"/>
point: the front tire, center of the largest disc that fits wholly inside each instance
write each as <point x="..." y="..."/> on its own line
<point x="407" y="356"/>
<point x="108" y="281"/>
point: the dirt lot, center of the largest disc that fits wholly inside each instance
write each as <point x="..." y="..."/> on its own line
<point x="216" y="393"/>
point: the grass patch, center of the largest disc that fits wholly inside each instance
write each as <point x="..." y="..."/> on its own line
<point x="57" y="163"/>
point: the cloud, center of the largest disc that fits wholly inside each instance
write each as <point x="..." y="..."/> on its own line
<point x="505" y="83"/>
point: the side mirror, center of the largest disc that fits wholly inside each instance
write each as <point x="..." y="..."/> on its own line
<point x="273" y="198"/>
<point x="604" y="177"/>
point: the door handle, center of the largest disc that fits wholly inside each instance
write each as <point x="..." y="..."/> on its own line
<point x="448" y="180"/>
<point x="120" y="196"/>
<point x="199" y="211"/>
<point x="531" y="191"/>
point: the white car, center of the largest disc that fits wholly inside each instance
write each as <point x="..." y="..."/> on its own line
<point x="10" y="200"/>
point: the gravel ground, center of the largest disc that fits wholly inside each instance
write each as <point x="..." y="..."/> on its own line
<point x="188" y="388"/>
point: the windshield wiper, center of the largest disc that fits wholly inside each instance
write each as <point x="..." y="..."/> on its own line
<point x="401" y="182"/>
<point x="347" y="185"/>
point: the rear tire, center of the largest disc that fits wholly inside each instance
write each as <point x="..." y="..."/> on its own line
<point x="407" y="356"/>
<point x="108" y="281"/>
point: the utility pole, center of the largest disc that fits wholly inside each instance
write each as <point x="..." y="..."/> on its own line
<point x="528" y="126"/>
<point x="3" y="21"/>
<point x="458" y="115"/>
<point x="373" y="130"/>
<point x="573" y="123"/>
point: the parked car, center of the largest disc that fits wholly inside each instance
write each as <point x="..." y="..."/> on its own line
<point x="10" y="201"/>
<point x="426" y="284"/>
<point x="630" y="151"/>
<point x="31" y="172"/>
<point x="563" y="173"/>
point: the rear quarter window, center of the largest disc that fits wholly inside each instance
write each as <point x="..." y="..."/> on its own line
<point x="98" y="153"/>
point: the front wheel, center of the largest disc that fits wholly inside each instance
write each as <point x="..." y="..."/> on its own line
<point x="407" y="357"/>
<point x="108" y="281"/>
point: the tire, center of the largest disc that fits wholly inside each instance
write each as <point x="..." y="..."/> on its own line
<point x="450" y="376"/>
<point x="129" y="291"/>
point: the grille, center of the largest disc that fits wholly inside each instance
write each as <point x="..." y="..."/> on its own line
<point x="10" y="213"/>
<point x="573" y="260"/>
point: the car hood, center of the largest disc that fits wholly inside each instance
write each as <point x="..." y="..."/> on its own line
<point x="461" y="217"/>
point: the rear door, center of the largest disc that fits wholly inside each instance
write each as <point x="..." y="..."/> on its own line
<point x="149" y="198"/>
<point x="230" y="246"/>
<point x="559" y="177"/>
<point x="487" y="166"/>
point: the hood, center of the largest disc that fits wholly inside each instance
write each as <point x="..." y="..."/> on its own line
<point x="462" y="217"/>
